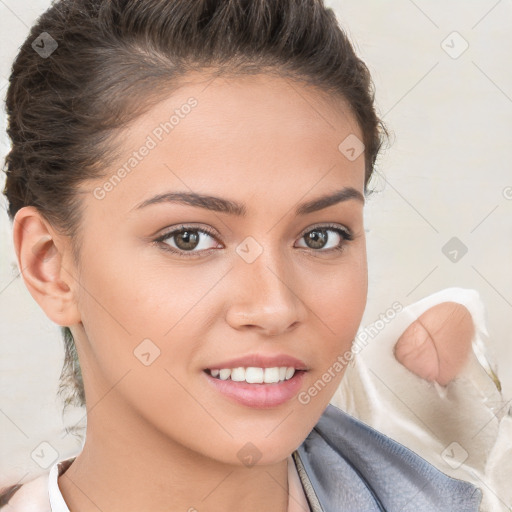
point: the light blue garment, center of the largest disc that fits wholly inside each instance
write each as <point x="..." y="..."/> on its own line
<point x="354" y="468"/>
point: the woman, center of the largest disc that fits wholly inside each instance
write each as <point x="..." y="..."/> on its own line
<point x="187" y="182"/>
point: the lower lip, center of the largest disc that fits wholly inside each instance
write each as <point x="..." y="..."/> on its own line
<point x="259" y="396"/>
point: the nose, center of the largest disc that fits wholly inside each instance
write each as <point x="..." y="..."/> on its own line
<point x="266" y="296"/>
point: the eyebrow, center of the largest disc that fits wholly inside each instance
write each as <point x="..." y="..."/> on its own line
<point x="221" y="205"/>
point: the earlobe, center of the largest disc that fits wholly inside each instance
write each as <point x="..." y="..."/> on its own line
<point x="40" y="256"/>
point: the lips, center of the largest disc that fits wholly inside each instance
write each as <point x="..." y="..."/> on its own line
<point x="257" y="396"/>
<point x="261" y="361"/>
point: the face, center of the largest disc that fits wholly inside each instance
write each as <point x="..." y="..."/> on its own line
<point x="173" y="287"/>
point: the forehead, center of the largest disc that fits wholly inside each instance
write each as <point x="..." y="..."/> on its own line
<point x="236" y="135"/>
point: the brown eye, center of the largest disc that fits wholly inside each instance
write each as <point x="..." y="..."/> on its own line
<point x="316" y="239"/>
<point x="188" y="240"/>
<point x="326" y="238"/>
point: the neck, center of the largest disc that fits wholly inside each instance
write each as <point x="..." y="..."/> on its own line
<point x="128" y="465"/>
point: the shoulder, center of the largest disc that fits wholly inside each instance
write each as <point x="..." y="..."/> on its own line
<point x="41" y="494"/>
<point x="378" y="473"/>
<point x="31" y="496"/>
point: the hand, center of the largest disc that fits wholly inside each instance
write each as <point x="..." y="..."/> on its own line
<point x="437" y="345"/>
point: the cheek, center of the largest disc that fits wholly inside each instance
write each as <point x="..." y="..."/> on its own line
<point x="146" y="319"/>
<point x="139" y="297"/>
<point x="339" y="298"/>
<point x="338" y="309"/>
<point x="339" y="306"/>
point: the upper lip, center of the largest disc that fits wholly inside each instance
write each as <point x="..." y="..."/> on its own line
<point x="261" y="361"/>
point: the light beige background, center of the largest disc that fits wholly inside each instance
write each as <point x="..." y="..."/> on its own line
<point x="447" y="174"/>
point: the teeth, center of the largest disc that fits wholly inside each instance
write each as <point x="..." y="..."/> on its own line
<point x="254" y="375"/>
<point x="238" y="374"/>
<point x="271" y="375"/>
<point x="224" y="374"/>
<point x="289" y="373"/>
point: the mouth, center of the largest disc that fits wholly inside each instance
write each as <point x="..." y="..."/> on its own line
<point x="256" y="387"/>
<point x="254" y="375"/>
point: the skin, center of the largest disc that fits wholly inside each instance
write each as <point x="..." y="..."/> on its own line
<point x="159" y="437"/>
<point x="437" y="346"/>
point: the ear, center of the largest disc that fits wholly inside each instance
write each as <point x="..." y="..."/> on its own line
<point x="44" y="262"/>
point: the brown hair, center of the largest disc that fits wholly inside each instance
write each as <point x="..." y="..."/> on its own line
<point x="65" y="108"/>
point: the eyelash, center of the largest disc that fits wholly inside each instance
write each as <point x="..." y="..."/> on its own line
<point x="344" y="233"/>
